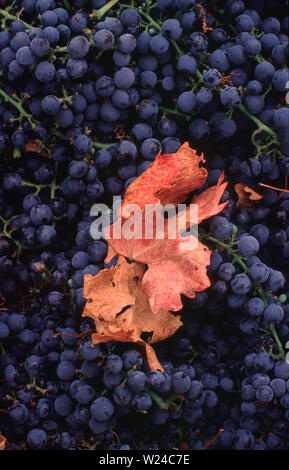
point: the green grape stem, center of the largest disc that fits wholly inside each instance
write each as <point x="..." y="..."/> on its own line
<point x="58" y="134"/>
<point x="8" y="233"/>
<point x="158" y="28"/>
<point x="66" y="4"/>
<point x="38" y="187"/>
<point x="236" y="256"/>
<point x="261" y="125"/>
<point x="16" y="102"/>
<point x="277" y="340"/>
<point x="259" y="59"/>
<point x="98" y="14"/>
<point x="93" y="446"/>
<point x="33" y="385"/>
<point x="267" y="91"/>
<point x="59" y="49"/>
<point x="16" y="152"/>
<point x="6" y="223"/>
<point x="175" y="112"/>
<point x="99" y="145"/>
<point x="8" y="16"/>
<point x="54" y="186"/>
<point x="199" y="75"/>
<point x="162" y="404"/>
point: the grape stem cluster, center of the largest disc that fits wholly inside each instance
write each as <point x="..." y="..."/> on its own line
<point x="7" y="16"/>
<point x="8" y="233"/>
<point x="239" y="259"/>
<point x="261" y="127"/>
<point x="17" y="103"/>
<point x="6" y="223"/>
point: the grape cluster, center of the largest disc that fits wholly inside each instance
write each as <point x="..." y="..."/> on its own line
<point x="91" y="91"/>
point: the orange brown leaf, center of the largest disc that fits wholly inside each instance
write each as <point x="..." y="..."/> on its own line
<point x="115" y="289"/>
<point x="247" y="197"/>
<point x="130" y="315"/>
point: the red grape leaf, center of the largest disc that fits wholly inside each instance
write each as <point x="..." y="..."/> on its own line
<point x="125" y="316"/>
<point x="180" y="272"/>
<point x="172" y="269"/>
<point x="208" y="201"/>
<point x="168" y="180"/>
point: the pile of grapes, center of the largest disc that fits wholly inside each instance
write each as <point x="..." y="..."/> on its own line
<point x="91" y="91"/>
